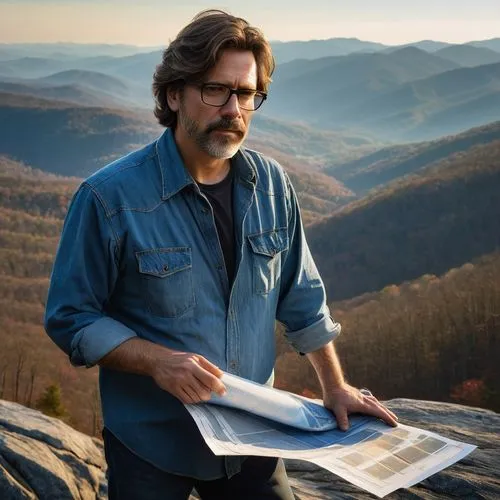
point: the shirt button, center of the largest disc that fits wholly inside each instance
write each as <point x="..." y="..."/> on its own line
<point x="219" y="267"/>
<point x="204" y="210"/>
<point x="233" y="364"/>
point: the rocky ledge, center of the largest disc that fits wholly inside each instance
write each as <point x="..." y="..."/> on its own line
<point x="477" y="476"/>
<point x="43" y="458"/>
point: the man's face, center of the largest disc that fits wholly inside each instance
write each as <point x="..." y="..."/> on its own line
<point x="219" y="131"/>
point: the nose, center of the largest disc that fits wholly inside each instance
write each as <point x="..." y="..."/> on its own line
<point x="232" y="107"/>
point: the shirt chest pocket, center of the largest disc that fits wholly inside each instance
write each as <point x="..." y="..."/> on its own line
<point x="267" y="248"/>
<point x="167" y="280"/>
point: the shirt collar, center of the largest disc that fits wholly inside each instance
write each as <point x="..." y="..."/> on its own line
<point x="176" y="177"/>
<point x="174" y="174"/>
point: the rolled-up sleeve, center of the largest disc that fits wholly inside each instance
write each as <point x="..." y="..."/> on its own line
<point x="302" y="307"/>
<point x="83" y="277"/>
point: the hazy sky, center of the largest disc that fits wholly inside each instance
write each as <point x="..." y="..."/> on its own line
<point x="154" y="22"/>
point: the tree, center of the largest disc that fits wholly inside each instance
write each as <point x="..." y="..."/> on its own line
<point x="21" y="358"/>
<point x="31" y="385"/>
<point x="3" y="378"/>
<point x="50" y="402"/>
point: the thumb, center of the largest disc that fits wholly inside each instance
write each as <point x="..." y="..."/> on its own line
<point x="342" y="420"/>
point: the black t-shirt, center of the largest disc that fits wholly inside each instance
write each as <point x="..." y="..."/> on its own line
<point x="220" y="196"/>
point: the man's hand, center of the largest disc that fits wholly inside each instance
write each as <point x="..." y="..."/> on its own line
<point x="189" y="377"/>
<point x="345" y="399"/>
<point x="338" y="396"/>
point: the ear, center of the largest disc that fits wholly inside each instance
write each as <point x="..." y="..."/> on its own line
<point x="174" y="99"/>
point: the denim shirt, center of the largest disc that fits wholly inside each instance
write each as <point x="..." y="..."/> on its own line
<point x="139" y="255"/>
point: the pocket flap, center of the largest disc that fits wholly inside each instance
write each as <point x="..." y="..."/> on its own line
<point x="163" y="262"/>
<point x="269" y="243"/>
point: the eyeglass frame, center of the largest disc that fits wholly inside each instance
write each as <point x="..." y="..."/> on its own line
<point x="232" y="91"/>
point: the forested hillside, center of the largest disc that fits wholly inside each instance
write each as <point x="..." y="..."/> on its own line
<point x="436" y="337"/>
<point x="429" y="223"/>
<point x="72" y="140"/>
<point x="405" y="235"/>
<point x="66" y="139"/>
<point x="390" y="163"/>
<point x="32" y="206"/>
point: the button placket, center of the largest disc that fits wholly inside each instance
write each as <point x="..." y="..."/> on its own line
<point x="209" y="229"/>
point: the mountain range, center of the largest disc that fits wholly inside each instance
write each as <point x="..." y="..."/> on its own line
<point x="469" y="55"/>
<point x="314" y="49"/>
<point x="406" y="94"/>
<point x="68" y="51"/>
<point x="75" y="140"/>
<point x="433" y="332"/>
<point x="393" y="162"/>
<point x="435" y="211"/>
<point x="405" y="234"/>
<point x="401" y="93"/>
<point x="68" y="139"/>
<point x="441" y="217"/>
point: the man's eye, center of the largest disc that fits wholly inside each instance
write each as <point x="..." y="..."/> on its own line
<point x="215" y="89"/>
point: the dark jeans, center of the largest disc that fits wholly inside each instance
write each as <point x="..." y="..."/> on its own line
<point x="131" y="478"/>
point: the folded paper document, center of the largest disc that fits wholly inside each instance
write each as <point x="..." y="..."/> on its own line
<point x="274" y="404"/>
<point x="255" y="419"/>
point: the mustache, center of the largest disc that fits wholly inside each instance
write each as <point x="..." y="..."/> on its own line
<point x="226" y="124"/>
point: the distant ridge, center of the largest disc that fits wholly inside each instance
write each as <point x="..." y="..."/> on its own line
<point x="324" y="95"/>
<point x="68" y="139"/>
<point x="392" y="162"/>
<point x="69" y="50"/>
<point x="426" y="223"/>
<point x="72" y="140"/>
<point x="138" y="68"/>
<point x="469" y="55"/>
<point x="313" y="49"/>
<point x="77" y="94"/>
<point x="91" y="79"/>
<point x="492" y="43"/>
<point x="427" y="45"/>
<point x="441" y="104"/>
<point x="31" y="67"/>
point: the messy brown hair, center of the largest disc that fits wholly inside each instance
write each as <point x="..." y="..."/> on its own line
<point x="197" y="49"/>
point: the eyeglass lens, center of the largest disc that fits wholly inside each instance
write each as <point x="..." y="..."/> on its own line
<point x="218" y="95"/>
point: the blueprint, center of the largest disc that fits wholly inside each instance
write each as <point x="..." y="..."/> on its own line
<point x="371" y="455"/>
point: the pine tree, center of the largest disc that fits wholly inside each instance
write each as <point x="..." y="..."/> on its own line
<point x="50" y="402"/>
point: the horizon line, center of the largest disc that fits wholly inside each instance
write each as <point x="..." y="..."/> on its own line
<point x="125" y="44"/>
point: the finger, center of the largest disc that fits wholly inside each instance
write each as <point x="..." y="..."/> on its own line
<point x="210" y="381"/>
<point x="199" y="391"/>
<point x="376" y="409"/>
<point x="186" y="396"/>
<point x="341" y="417"/>
<point x="376" y="401"/>
<point x="210" y="367"/>
<point x="190" y="384"/>
<point x="391" y="413"/>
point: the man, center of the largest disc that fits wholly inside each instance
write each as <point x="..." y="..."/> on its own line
<point x="174" y="263"/>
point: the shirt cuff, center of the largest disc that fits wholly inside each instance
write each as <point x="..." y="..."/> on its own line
<point x="314" y="336"/>
<point x="98" y="339"/>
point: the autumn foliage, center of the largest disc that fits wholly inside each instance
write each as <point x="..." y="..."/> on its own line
<point x="434" y="337"/>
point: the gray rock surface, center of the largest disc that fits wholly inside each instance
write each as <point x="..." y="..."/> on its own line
<point x="43" y="458"/>
<point x="477" y="476"/>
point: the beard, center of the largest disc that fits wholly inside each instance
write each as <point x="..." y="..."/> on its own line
<point x="221" y="146"/>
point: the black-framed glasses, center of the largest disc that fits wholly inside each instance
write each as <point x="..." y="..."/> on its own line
<point x="218" y="95"/>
